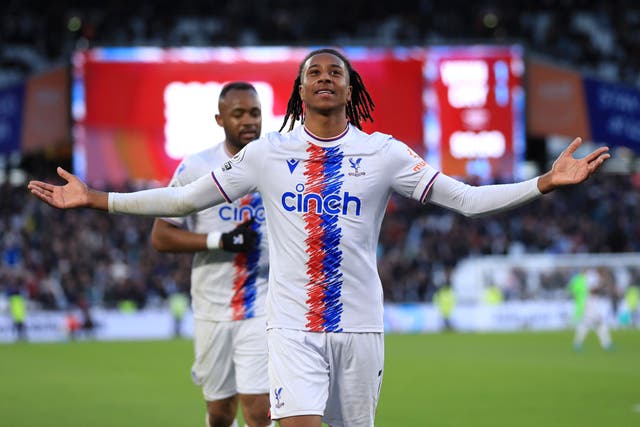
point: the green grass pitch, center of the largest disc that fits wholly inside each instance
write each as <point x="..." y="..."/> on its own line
<point x="511" y="379"/>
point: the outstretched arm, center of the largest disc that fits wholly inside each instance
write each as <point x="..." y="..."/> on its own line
<point x="567" y="170"/>
<point x="160" y="202"/>
<point x="74" y="194"/>
<point x="483" y="200"/>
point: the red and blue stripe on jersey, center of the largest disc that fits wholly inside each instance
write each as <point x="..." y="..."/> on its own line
<point x="246" y="269"/>
<point x="323" y="176"/>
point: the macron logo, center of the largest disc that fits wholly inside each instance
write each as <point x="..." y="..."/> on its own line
<point x="292" y="163"/>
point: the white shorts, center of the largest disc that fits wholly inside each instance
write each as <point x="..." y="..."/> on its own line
<point x="596" y="313"/>
<point x="230" y="357"/>
<point x="335" y="375"/>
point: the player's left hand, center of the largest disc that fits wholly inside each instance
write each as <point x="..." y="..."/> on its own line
<point x="567" y="170"/>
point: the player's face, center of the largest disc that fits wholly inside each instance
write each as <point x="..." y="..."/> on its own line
<point x="240" y="116"/>
<point x="325" y="84"/>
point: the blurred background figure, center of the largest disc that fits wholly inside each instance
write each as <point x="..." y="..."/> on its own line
<point x="178" y="304"/>
<point x="579" y="291"/>
<point x="445" y="301"/>
<point x="88" y="325"/>
<point x="592" y="293"/>
<point x="628" y="314"/>
<point x="18" y="311"/>
<point x="492" y="295"/>
<point x="632" y="298"/>
<point x="72" y="326"/>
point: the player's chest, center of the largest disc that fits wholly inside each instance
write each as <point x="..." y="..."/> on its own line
<point x="334" y="185"/>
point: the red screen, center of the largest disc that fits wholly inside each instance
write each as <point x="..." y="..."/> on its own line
<point x="138" y="111"/>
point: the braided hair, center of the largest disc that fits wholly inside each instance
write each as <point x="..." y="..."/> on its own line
<point x="359" y="108"/>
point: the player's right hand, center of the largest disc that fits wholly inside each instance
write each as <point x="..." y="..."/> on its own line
<point x="73" y="194"/>
<point x="241" y="239"/>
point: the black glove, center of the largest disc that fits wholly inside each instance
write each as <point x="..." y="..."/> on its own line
<point x="241" y="239"/>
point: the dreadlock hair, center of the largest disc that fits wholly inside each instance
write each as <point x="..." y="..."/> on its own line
<point x="358" y="109"/>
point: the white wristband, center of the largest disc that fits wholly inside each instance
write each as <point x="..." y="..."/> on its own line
<point x="213" y="240"/>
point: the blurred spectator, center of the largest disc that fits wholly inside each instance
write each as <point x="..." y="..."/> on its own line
<point x="570" y="222"/>
<point x="106" y="260"/>
<point x="492" y="295"/>
<point x="70" y="259"/>
<point x="179" y="305"/>
<point x="18" y="311"/>
<point x="632" y="302"/>
<point x="445" y="301"/>
<point x="102" y="263"/>
<point x="596" y="37"/>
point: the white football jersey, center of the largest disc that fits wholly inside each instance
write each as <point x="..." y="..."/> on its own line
<point x="224" y="285"/>
<point x="325" y="200"/>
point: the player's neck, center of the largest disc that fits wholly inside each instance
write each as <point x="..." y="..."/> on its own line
<point x="230" y="149"/>
<point x="328" y="126"/>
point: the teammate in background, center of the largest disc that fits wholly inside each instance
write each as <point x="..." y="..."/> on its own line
<point x="229" y="273"/>
<point x="591" y="295"/>
<point x="325" y="186"/>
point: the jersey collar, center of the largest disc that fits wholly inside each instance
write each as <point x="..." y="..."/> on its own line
<point x="324" y="142"/>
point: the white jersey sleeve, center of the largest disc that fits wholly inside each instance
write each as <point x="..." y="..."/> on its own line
<point x="411" y="176"/>
<point x="182" y="176"/>
<point x="241" y="174"/>
<point x="477" y="201"/>
<point x="414" y="178"/>
<point x="168" y="201"/>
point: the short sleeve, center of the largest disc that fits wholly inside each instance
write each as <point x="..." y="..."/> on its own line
<point x="240" y="175"/>
<point x="411" y="175"/>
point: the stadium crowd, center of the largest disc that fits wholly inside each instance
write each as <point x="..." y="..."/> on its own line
<point x="60" y="258"/>
<point x="107" y="259"/>
<point x="417" y="244"/>
<point x="596" y="37"/>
